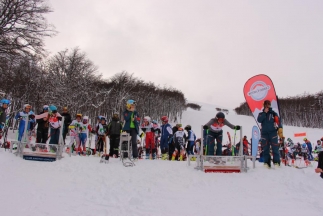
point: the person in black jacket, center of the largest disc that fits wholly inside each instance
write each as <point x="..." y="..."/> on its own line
<point x="67" y="122"/>
<point x="114" y="130"/>
<point x="43" y="126"/>
<point x="319" y="168"/>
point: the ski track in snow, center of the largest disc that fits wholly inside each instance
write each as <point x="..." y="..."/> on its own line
<point x="80" y="185"/>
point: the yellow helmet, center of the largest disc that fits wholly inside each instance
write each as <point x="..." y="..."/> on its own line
<point x="79" y="115"/>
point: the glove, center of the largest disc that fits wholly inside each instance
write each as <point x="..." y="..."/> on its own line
<point x="237" y="127"/>
<point x="280" y="132"/>
<point x="205" y="127"/>
<point x="142" y="135"/>
<point x="31" y="116"/>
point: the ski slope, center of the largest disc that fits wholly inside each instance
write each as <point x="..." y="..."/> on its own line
<point x="80" y="185"/>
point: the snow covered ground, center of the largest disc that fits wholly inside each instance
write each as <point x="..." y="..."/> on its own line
<point x="82" y="186"/>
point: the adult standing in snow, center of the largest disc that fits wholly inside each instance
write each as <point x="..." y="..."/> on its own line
<point x="166" y="134"/>
<point x="319" y="168"/>
<point x="67" y="122"/>
<point x="214" y="131"/>
<point x="270" y="124"/>
<point x="131" y="125"/>
<point x="43" y="125"/>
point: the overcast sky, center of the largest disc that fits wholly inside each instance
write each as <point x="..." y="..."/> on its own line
<point x="206" y="48"/>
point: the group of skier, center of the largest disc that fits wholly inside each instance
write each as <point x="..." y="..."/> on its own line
<point x="173" y="142"/>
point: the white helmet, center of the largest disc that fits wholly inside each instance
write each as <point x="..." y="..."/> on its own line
<point x="147" y="118"/>
<point x="27" y="106"/>
<point x="85" y="118"/>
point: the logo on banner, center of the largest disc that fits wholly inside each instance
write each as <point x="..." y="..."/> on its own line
<point x="255" y="134"/>
<point x="258" y="90"/>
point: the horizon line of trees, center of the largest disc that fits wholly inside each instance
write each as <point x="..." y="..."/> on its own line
<point x="301" y="110"/>
<point x="69" y="78"/>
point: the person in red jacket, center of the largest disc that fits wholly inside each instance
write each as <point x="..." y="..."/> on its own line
<point x="245" y="145"/>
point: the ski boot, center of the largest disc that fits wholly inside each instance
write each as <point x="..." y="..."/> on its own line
<point x="181" y="158"/>
<point x="267" y="165"/>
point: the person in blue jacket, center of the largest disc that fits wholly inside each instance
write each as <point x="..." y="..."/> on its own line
<point x="270" y="125"/>
<point x="22" y="116"/>
<point x="166" y="134"/>
<point x="310" y="149"/>
<point x="131" y="125"/>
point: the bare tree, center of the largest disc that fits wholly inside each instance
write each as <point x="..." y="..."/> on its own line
<point x="23" y="27"/>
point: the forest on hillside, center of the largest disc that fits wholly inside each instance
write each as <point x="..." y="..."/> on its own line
<point x="302" y="110"/>
<point x="28" y="75"/>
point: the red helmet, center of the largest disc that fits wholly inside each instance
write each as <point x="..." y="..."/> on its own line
<point x="164" y="119"/>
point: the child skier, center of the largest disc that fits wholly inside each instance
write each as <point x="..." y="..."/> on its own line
<point x="304" y="153"/>
<point x="191" y="140"/>
<point x="55" y="125"/>
<point x="166" y="133"/>
<point x="102" y="130"/>
<point x="43" y="125"/>
<point x="157" y="135"/>
<point x="85" y="129"/>
<point x="179" y="138"/>
<point x="310" y="149"/>
<point x="213" y="131"/>
<point x="3" y="116"/>
<point x="291" y="154"/>
<point x="149" y="130"/>
<point x="114" y="131"/>
<point x="74" y="132"/>
<point x="22" y="117"/>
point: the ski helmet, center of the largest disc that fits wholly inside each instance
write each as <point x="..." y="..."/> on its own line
<point x="85" y="119"/>
<point x="304" y="145"/>
<point x="188" y="127"/>
<point x="154" y="122"/>
<point x="4" y="101"/>
<point x="53" y="108"/>
<point x="102" y="118"/>
<point x="79" y="115"/>
<point x="27" y="106"/>
<point x="115" y="116"/>
<point x="220" y="115"/>
<point x="147" y="118"/>
<point x="305" y="139"/>
<point x="164" y="119"/>
<point x="130" y="102"/>
<point x="45" y="107"/>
